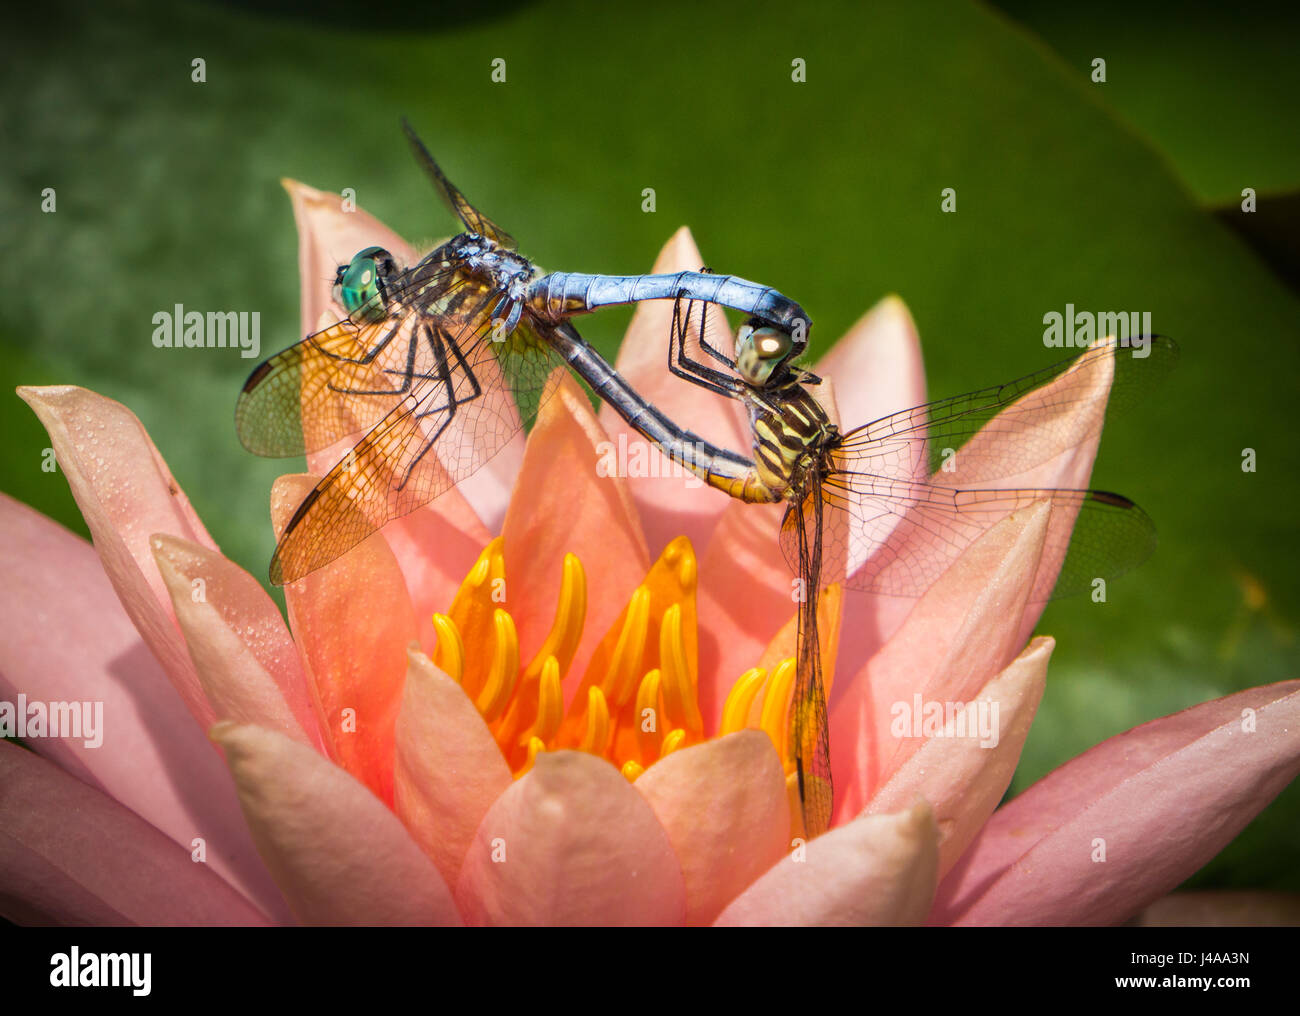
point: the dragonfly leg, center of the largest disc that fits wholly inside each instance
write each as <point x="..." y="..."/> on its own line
<point x="378" y="348"/>
<point x="407" y="374"/>
<point x="682" y="366"/>
<point x="439" y="341"/>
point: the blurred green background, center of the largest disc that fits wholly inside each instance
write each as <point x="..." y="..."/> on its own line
<point x="1122" y="195"/>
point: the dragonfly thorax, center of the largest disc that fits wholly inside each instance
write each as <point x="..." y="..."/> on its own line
<point x="493" y="267"/>
<point x="793" y="437"/>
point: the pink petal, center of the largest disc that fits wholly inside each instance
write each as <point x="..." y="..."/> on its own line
<point x="876" y="367"/>
<point x="671" y="504"/>
<point x="68" y="640"/>
<point x="961" y="633"/>
<point x="1062" y="422"/>
<point x="352" y="621"/>
<point x="746" y="594"/>
<point x="962" y="775"/>
<point x="240" y="646"/>
<point x="435" y="548"/>
<point x="1164" y="798"/>
<point x="449" y="769"/>
<point x="70" y="855"/>
<point x="126" y="493"/>
<point x="340" y="856"/>
<point x="571" y="843"/>
<point x="562" y="506"/>
<point x="723" y="804"/>
<point x="876" y="870"/>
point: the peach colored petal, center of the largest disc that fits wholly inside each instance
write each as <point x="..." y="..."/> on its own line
<point x="340" y="856"/>
<point x="965" y="776"/>
<point x="449" y="769"/>
<point x="1161" y="800"/>
<point x="329" y="236"/>
<point x="435" y="548"/>
<point x="723" y="805"/>
<point x="746" y="594"/>
<point x="876" y="870"/>
<point x="571" y="843"/>
<point x="241" y="649"/>
<point x="960" y="634"/>
<point x="68" y="640"/>
<point x="126" y="493"/>
<point x="1046" y="439"/>
<point x="70" y="855"/>
<point x="562" y="506"/>
<point x="876" y="367"/>
<point x="352" y="621"/>
<point x="1057" y="429"/>
<point x="670" y="504"/>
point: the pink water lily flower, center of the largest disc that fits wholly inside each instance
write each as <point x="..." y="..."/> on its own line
<point x="412" y="748"/>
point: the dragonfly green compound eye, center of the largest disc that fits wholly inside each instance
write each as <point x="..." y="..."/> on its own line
<point x="760" y="350"/>
<point x="359" y="285"/>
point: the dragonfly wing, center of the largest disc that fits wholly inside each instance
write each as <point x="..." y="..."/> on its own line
<point x="322" y="389"/>
<point x="908" y="535"/>
<point x="346" y="378"/>
<point x="474" y="220"/>
<point x="905" y="495"/>
<point x="809" y="722"/>
<point x="992" y="436"/>
<point x="454" y="419"/>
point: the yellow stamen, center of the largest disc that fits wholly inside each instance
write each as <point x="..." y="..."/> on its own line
<point x="672" y="742"/>
<point x="740" y="701"/>
<point x="776" y="704"/>
<point x="621" y="673"/>
<point x="450" y="654"/>
<point x="473" y="612"/>
<point x="570" y="613"/>
<point x="535" y="748"/>
<point x="560" y="645"/>
<point x="550" y="704"/>
<point x="649" y="720"/>
<point x="504" y="672"/>
<point x="596" y="735"/>
<point x="631" y="770"/>
<point x="680" y="698"/>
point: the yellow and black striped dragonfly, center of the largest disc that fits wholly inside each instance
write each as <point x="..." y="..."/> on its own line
<point x="887" y="507"/>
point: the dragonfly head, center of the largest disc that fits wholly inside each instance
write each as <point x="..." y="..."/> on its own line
<point x="761" y="350"/>
<point x="360" y="284"/>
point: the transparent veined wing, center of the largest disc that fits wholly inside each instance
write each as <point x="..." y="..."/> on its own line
<point x="474" y="220"/>
<point x="809" y="720"/>
<point x="342" y="380"/>
<point x="455" y="398"/>
<point x="905" y="495"/>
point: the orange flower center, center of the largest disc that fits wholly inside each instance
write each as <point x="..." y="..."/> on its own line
<point x="639" y="697"/>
